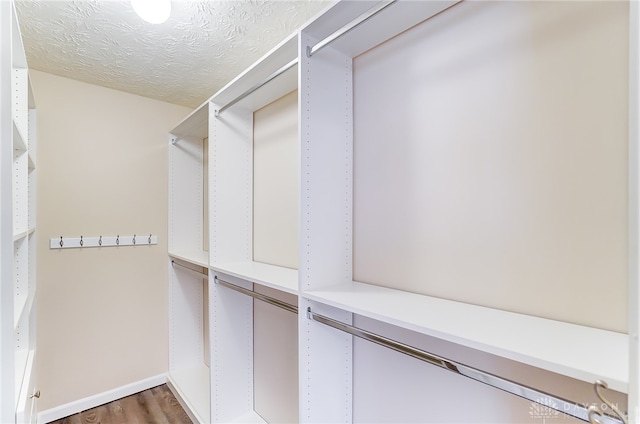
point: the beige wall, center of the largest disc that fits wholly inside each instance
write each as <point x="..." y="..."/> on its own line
<point x="499" y="178"/>
<point x="275" y="182"/>
<point x="102" y="170"/>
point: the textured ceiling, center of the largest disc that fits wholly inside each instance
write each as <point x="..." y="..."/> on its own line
<point x="185" y="60"/>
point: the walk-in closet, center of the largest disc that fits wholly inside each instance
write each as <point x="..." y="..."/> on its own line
<point x="396" y="212"/>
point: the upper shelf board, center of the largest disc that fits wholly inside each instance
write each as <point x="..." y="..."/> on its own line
<point x="577" y="351"/>
<point x="195" y="125"/>
<point x="394" y="19"/>
<point x="271" y="62"/>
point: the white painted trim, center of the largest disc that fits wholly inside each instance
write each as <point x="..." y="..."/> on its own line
<point x="89" y="402"/>
<point x="634" y="214"/>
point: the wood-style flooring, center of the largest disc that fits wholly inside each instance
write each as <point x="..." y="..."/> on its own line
<point x="153" y="406"/>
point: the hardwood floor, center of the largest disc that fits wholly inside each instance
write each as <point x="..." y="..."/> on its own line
<point x="153" y="406"/>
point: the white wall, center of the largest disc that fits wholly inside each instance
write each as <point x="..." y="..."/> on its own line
<point x="102" y="170"/>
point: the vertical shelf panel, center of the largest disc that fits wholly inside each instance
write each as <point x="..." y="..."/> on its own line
<point x="22" y="349"/>
<point x="232" y="175"/>
<point x="325" y="227"/>
<point x="186" y="186"/>
<point x="20" y="100"/>
<point x="31" y="151"/>
<point x="232" y="351"/>
<point x="189" y="357"/>
<point x="17" y="323"/>
<point x="186" y="202"/>
<point x="31" y="271"/>
<point x="634" y="213"/>
<point x="326" y="171"/>
<point x="20" y="192"/>
<point x="20" y="278"/>
<point x="254" y="151"/>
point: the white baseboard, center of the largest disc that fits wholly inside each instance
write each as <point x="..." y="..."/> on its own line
<point x="74" y="407"/>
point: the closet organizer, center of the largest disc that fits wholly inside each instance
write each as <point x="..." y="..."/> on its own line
<point x="241" y="151"/>
<point x="18" y="389"/>
<point x="455" y="221"/>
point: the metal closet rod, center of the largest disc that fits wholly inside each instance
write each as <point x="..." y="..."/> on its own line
<point x="250" y="91"/>
<point x="268" y="299"/>
<point x="348" y="28"/>
<point x="545" y="400"/>
<point x="201" y="274"/>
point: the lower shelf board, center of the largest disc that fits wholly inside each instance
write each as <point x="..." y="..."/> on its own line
<point x="192" y="388"/>
<point x="22" y="364"/>
<point x="250" y="417"/>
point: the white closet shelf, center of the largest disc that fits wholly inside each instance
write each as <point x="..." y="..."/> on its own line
<point x="276" y="277"/>
<point x="199" y="258"/>
<point x="19" y="142"/>
<point x="21" y="361"/>
<point x="32" y="163"/>
<point x="273" y="60"/>
<point x="23" y="384"/>
<point x="18" y="235"/>
<point x="22" y="307"/>
<point x="250" y="417"/>
<point x="194" y="125"/>
<point x="560" y="347"/>
<point x="192" y="385"/>
<point x="393" y="20"/>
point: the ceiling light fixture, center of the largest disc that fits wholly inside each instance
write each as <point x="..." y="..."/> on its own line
<point x="152" y="11"/>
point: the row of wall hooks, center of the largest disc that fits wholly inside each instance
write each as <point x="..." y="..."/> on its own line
<point x="102" y="241"/>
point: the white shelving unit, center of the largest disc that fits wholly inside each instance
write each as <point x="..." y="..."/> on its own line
<point x="187" y="188"/>
<point x="188" y="263"/>
<point x="18" y="394"/>
<point x="244" y="357"/>
<point x="327" y="283"/>
<point x="218" y="334"/>
<point x="213" y="329"/>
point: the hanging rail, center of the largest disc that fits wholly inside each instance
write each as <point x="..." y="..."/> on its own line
<point x="200" y="274"/>
<point x="264" y="298"/>
<point x="554" y="404"/>
<point x="250" y="91"/>
<point x="311" y="50"/>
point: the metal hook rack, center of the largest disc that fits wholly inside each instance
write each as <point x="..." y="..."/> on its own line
<point x="83" y="242"/>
